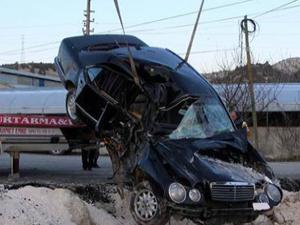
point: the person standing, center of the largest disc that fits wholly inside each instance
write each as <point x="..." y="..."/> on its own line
<point x="95" y="159"/>
<point x="238" y="121"/>
<point x="88" y="148"/>
<point x="88" y="157"/>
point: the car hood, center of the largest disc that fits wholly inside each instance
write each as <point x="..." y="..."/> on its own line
<point x="186" y="158"/>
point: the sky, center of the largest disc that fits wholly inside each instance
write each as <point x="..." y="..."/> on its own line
<point x="41" y="25"/>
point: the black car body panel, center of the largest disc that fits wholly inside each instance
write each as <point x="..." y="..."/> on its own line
<point x="77" y="52"/>
<point x="218" y="159"/>
<point x="163" y="123"/>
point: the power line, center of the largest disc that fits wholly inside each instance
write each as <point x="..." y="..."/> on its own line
<point x="38" y="26"/>
<point x="5" y="60"/>
<point x="215" y="21"/>
<point x="277" y="18"/>
<point x="291" y="7"/>
<point x="34" y="51"/>
<point x="183" y="25"/>
<point x="180" y="15"/>
<point x="205" y="22"/>
<point x="279" y="8"/>
<point x="31" y="47"/>
<point x="209" y="51"/>
<point x="153" y="21"/>
<point x="276" y="8"/>
<point x="42" y="50"/>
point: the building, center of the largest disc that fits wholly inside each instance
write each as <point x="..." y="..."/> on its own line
<point x="278" y="114"/>
<point x="14" y="78"/>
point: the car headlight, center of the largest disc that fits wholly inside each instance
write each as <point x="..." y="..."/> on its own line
<point x="273" y="193"/>
<point x="263" y="198"/>
<point x="177" y="193"/>
<point x="195" y="195"/>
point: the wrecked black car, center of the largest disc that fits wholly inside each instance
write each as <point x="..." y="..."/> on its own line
<point x="166" y="130"/>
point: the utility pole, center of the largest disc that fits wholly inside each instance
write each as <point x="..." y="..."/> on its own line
<point x="250" y="77"/>
<point x="87" y="22"/>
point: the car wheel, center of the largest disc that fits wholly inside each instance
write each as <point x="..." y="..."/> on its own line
<point x="71" y="107"/>
<point x="146" y="207"/>
<point x="57" y="152"/>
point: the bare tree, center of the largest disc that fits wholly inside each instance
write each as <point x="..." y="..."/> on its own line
<point x="231" y="84"/>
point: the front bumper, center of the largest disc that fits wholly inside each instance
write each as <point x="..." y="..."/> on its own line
<point x="206" y="213"/>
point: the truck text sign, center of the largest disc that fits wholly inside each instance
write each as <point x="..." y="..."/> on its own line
<point x="34" y="120"/>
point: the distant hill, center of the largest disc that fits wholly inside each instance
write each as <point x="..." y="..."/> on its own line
<point x="39" y="68"/>
<point x="287" y="71"/>
<point x="290" y="65"/>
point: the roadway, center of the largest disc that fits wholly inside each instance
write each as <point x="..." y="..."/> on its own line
<point x="55" y="169"/>
<point x="67" y="169"/>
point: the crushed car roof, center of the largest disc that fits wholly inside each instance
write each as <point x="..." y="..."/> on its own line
<point x="72" y="46"/>
<point x="93" y="50"/>
<point x="80" y="43"/>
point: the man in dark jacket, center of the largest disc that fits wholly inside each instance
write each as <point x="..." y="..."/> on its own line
<point x="238" y="121"/>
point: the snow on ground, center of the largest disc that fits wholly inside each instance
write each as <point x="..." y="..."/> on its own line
<point x="44" y="206"/>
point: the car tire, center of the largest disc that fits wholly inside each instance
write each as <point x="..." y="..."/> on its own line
<point x="57" y="152"/>
<point x="71" y="107"/>
<point x="60" y="151"/>
<point x="146" y="207"/>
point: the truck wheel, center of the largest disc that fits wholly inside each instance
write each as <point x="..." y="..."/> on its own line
<point x="146" y="207"/>
<point x="71" y="107"/>
<point x="57" y="152"/>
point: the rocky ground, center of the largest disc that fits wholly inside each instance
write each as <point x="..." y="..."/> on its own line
<point x="101" y="205"/>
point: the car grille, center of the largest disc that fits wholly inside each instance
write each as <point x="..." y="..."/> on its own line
<point x="232" y="192"/>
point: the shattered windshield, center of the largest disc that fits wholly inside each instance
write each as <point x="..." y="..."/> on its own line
<point x="203" y="119"/>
